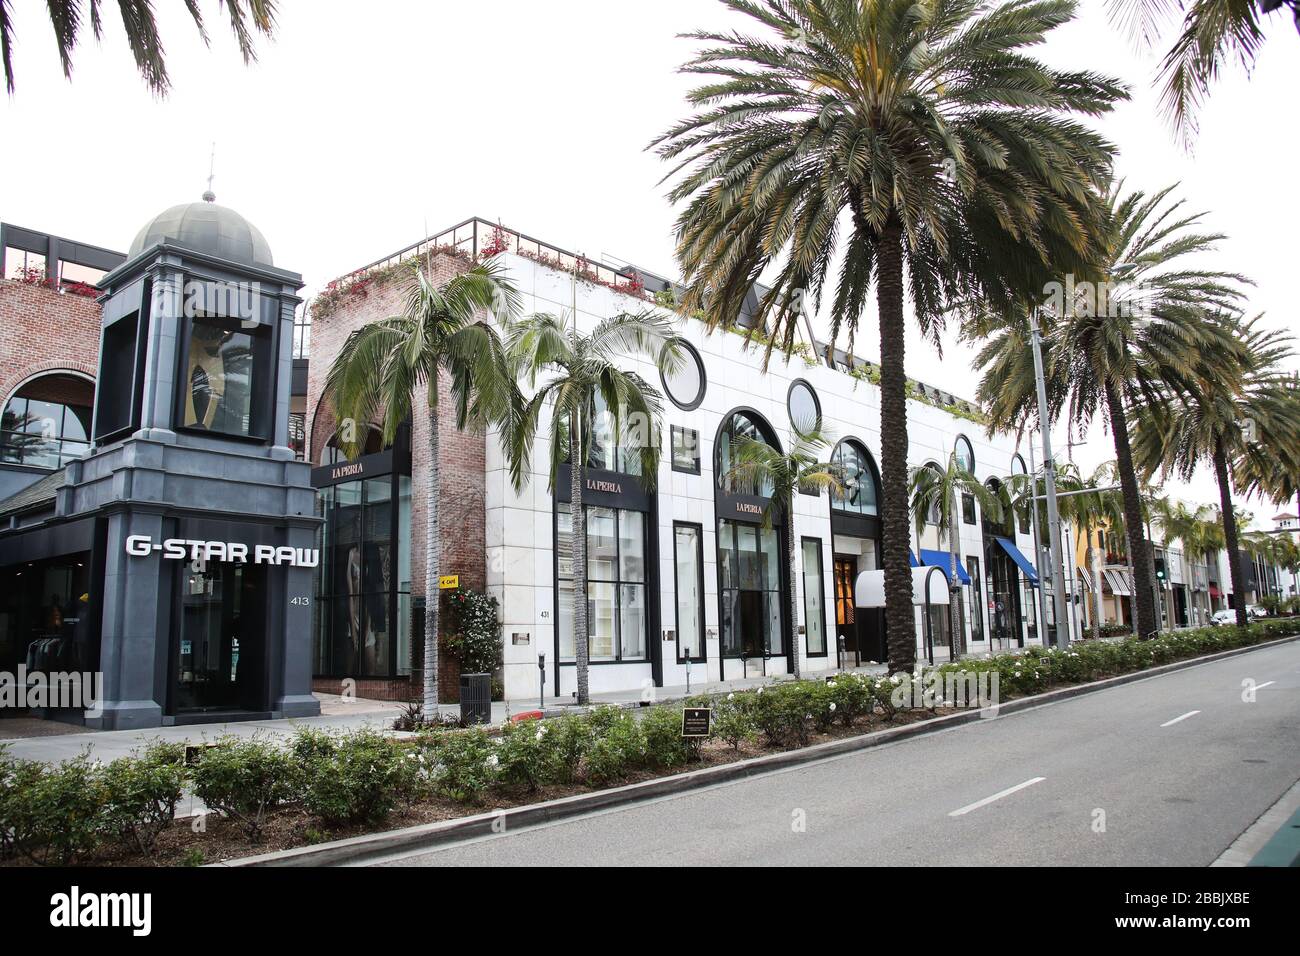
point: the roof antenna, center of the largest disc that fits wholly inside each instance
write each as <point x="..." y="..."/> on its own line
<point x="208" y="194"/>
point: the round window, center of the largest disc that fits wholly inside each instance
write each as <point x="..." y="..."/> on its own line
<point x="685" y="383"/>
<point x="805" y="410"/>
<point x="965" y="454"/>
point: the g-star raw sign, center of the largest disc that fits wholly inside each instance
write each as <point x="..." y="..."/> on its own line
<point x="187" y="549"/>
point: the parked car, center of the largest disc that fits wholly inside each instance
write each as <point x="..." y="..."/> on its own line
<point x="1224" y="618"/>
<point x="1255" y="610"/>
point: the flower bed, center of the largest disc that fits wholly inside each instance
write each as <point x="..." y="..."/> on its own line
<point x="325" y="786"/>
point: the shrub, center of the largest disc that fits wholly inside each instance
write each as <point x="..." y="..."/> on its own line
<point x="142" y="793"/>
<point x="243" y="779"/>
<point x="617" y="747"/>
<point x="355" y="778"/>
<point x="783" y="713"/>
<point x="524" y="759"/>
<point x="53" y="813"/>
<point x="851" y="694"/>
<point x="464" y="764"/>
<point x="568" y="739"/>
<point x="665" y="747"/>
<point x="475" y="641"/>
<point x="733" y="720"/>
<point x="311" y="743"/>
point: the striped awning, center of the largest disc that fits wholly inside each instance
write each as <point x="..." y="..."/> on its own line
<point x="1087" y="579"/>
<point x="1118" y="581"/>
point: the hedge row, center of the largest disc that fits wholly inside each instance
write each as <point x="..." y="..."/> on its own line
<point x="62" y="813"/>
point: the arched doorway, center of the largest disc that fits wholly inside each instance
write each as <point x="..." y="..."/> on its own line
<point x="855" y="533"/>
<point x="46" y="422"/>
<point x="752" y="576"/>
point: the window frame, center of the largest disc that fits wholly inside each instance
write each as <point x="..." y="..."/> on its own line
<point x="693" y="355"/>
<point x="618" y="583"/>
<point x="673" y="431"/>
<point x="821" y="577"/>
<point x="677" y="606"/>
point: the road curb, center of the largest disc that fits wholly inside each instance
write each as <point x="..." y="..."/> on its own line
<point x="431" y="835"/>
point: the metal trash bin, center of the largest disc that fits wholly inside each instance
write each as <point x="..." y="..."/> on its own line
<point x="476" y="698"/>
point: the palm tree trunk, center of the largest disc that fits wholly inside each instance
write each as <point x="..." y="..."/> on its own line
<point x="956" y="631"/>
<point x="578" y="521"/>
<point x="1231" y="539"/>
<point x="1095" y="569"/>
<point x="1139" y="552"/>
<point x="900" y="622"/>
<point x="790" y="552"/>
<point x="432" y="568"/>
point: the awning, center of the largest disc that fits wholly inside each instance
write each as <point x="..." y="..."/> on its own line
<point x="1087" y="579"/>
<point x="1118" y="581"/>
<point x="869" y="589"/>
<point x="943" y="561"/>
<point x="1017" y="556"/>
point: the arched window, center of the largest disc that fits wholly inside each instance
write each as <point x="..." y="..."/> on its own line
<point x="1003" y="527"/>
<point x="965" y="453"/>
<point x="46" y="423"/>
<point x="804" y="407"/>
<point x="739" y="427"/>
<point x="857" y="474"/>
<point x="1018" y="465"/>
<point x="331" y="454"/>
<point x="933" y="514"/>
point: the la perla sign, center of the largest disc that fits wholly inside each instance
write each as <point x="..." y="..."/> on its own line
<point x="189" y="549"/>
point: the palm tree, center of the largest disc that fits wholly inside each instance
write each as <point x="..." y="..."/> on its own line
<point x="756" y="464"/>
<point x="1128" y="328"/>
<point x="384" y="365"/>
<point x="937" y="493"/>
<point x="1091" y="506"/>
<point x="1212" y="33"/>
<point x="587" y="390"/>
<point x="1239" y="401"/>
<point x="911" y="146"/>
<point x="67" y="17"/>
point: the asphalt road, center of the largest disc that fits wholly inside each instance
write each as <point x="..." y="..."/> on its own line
<point x="1125" y="776"/>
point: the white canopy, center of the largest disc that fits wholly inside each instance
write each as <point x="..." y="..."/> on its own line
<point x="869" y="589"/>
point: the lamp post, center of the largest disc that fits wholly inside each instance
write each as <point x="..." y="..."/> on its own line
<point x="1049" y="477"/>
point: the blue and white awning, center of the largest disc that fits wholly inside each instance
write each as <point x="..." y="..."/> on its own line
<point x="1026" y="566"/>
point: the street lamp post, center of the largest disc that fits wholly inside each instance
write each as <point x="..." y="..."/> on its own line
<point x="1049" y="476"/>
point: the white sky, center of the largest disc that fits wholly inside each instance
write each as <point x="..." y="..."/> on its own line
<point x="363" y="128"/>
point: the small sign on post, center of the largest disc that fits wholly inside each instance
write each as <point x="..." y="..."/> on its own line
<point x="695" y="721"/>
<point x="448" y="582"/>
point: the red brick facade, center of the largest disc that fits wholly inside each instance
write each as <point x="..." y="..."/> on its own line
<point x="42" y="331"/>
<point x="462" y="463"/>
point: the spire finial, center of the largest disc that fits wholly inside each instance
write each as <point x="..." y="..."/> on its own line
<point x="208" y="194"/>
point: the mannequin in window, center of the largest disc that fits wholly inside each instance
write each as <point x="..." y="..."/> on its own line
<point x="206" y="376"/>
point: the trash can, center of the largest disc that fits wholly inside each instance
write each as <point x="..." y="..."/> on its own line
<point x="476" y="698"/>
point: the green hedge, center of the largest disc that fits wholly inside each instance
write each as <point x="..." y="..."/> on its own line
<point x="61" y="814"/>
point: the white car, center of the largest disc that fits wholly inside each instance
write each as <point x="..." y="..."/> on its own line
<point x="1226" y="617"/>
<point x="1254" y="610"/>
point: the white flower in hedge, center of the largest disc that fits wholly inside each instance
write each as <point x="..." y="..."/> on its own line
<point x="832" y="707"/>
<point x="760" y="690"/>
<point x="492" y="762"/>
<point x="731" y="696"/>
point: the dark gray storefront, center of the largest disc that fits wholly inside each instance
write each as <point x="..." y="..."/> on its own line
<point x="182" y="547"/>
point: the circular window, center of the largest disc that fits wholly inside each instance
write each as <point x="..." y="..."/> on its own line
<point x="965" y="454"/>
<point x="805" y="410"/>
<point x="685" y="384"/>
<point x="1018" y="466"/>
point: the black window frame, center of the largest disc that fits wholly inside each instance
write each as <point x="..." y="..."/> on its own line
<point x="673" y="432"/>
<point x="821" y="576"/>
<point x="619" y="583"/>
<point x="968" y="514"/>
<point x="677" y="607"/>
<point x="817" y="404"/>
<point x="692" y="355"/>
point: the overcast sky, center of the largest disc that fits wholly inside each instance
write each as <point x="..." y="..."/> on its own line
<point x="364" y="127"/>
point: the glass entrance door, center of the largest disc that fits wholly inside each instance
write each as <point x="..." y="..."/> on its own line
<point x="846" y="628"/>
<point x="221" y="651"/>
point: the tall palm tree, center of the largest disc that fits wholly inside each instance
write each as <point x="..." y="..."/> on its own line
<point x="937" y="494"/>
<point x="1091" y="506"/>
<point x="585" y="388"/>
<point x="385" y="365"/>
<point x="1127" y="328"/>
<point x="67" y="17"/>
<point x="1239" y="402"/>
<point x="913" y="147"/>
<point x="756" y="464"/>
<point x="1212" y="33"/>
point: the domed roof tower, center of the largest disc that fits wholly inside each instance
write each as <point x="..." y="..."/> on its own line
<point x="205" y="227"/>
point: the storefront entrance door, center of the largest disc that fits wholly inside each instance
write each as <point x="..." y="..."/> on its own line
<point x="221" y="649"/>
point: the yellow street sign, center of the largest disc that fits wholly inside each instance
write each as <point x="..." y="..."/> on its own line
<point x="449" y="582"/>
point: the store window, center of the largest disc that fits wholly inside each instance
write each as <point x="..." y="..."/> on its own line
<point x="685" y="449"/>
<point x="688" y="554"/>
<point x="740" y="428"/>
<point x="616" y="584"/>
<point x="47" y="422"/>
<point x="364" y="589"/>
<point x="749" y="569"/>
<point x="967" y="507"/>
<point x="814" y="598"/>
<point x="857" y="478"/>
<point x="227" y="378"/>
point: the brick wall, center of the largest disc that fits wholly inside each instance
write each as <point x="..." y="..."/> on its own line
<point x="42" y="330"/>
<point x="462" y="458"/>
